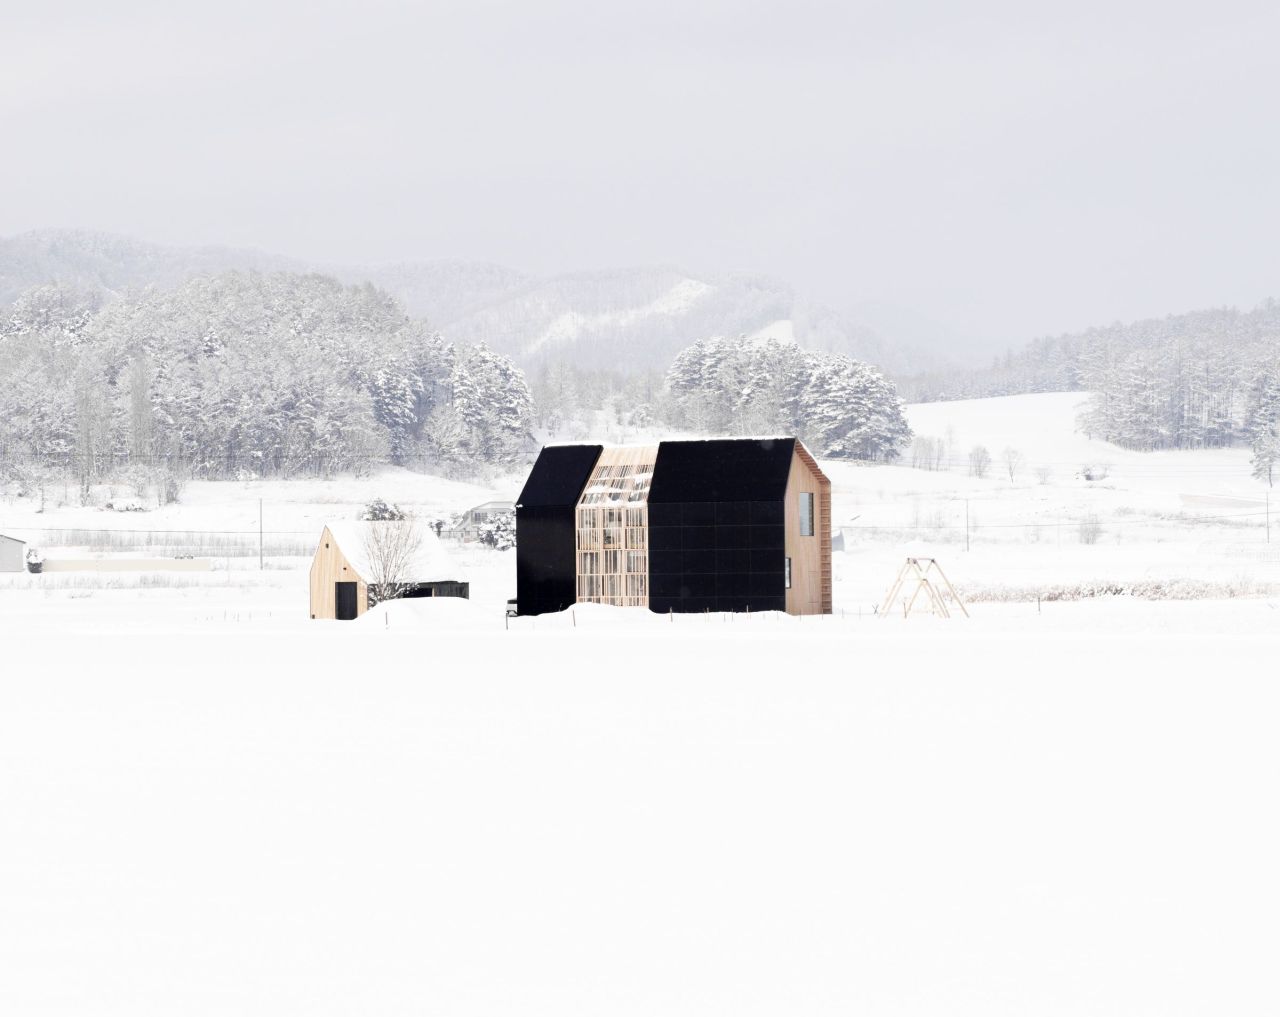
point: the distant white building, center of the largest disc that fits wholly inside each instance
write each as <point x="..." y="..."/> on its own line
<point x="469" y="526"/>
<point x="12" y="554"/>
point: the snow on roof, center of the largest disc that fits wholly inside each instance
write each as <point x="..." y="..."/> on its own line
<point x="16" y="540"/>
<point x="431" y="563"/>
<point x="663" y="441"/>
<point x="737" y="437"/>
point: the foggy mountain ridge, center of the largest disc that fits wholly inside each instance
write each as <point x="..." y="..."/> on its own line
<point x="626" y="319"/>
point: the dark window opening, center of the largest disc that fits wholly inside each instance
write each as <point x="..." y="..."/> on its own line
<point x="344" y="596"/>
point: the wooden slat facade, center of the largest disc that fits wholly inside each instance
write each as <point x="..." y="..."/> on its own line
<point x="612" y="529"/>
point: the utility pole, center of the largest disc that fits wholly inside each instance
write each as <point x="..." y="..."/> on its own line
<point x="260" y="565"/>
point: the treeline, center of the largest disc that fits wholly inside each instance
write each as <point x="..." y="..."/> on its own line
<point x="281" y="375"/>
<point x="840" y="407"/>
<point x="1198" y="380"/>
<point x="246" y="374"/>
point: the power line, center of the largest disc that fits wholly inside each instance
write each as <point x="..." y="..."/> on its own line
<point x="1183" y="521"/>
<point x="203" y="533"/>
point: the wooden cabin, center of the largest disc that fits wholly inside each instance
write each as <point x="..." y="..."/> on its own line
<point x="735" y="524"/>
<point x="342" y="570"/>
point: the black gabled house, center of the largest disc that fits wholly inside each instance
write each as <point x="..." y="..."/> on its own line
<point x="545" y="552"/>
<point x="734" y="524"/>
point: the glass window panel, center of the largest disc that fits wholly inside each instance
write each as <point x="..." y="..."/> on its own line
<point x="806" y="514"/>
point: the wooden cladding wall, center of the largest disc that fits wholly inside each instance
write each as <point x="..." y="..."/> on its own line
<point x="328" y="567"/>
<point x="810" y="556"/>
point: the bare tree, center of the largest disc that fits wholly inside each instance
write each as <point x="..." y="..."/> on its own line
<point x="141" y="421"/>
<point x="1012" y="462"/>
<point x="93" y="426"/>
<point x="979" y="461"/>
<point x="925" y="452"/>
<point x="391" y="547"/>
<point x="939" y="453"/>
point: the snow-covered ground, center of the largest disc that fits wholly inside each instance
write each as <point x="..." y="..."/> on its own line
<point x="210" y="804"/>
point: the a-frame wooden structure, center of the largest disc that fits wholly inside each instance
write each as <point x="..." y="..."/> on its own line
<point x="928" y="578"/>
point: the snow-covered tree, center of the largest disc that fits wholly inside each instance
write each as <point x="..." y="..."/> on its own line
<point x="841" y="407"/>
<point x="1262" y="426"/>
<point x="492" y="403"/>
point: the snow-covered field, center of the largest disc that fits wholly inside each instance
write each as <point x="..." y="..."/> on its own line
<point x="210" y="804"/>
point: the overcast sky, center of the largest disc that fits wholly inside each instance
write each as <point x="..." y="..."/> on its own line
<point x="1007" y="170"/>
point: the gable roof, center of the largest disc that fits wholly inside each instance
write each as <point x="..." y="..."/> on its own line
<point x="558" y="476"/>
<point x="16" y="540"/>
<point x="722" y="469"/>
<point x="431" y="563"/>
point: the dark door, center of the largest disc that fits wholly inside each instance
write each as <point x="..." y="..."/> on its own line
<point x="344" y="596"/>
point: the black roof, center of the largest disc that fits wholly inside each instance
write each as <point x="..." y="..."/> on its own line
<point x="558" y="476"/>
<point x="723" y="469"/>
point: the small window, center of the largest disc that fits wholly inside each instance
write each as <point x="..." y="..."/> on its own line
<point x="788" y="573"/>
<point x="806" y="514"/>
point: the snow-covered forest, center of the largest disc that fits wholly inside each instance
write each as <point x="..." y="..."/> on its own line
<point x="842" y="408"/>
<point x="1204" y="379"/>
<point x="246" y="374"/>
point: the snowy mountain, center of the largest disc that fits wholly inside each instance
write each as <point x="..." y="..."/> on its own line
<point x="111" y="263"/>
<point x="631" y="319"/>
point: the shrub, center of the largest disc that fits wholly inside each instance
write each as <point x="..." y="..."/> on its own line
<point x="380" y="510"/>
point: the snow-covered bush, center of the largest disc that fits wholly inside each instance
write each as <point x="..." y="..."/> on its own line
<point x="380" y="510"/>
<point x="499" y="532"/>
<point x="1142" y="589"/>
<point x="125" y="505"/>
